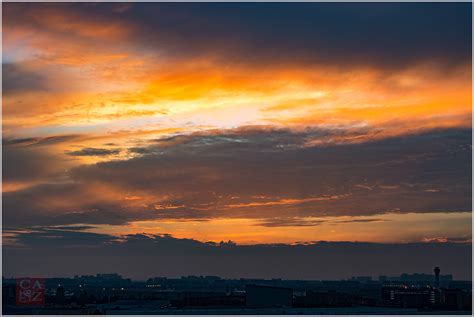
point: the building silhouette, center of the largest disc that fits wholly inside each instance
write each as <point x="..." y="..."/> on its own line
<point x="437" y="271"/>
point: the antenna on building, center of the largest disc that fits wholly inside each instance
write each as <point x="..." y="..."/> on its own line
<point x="436" y="271"/>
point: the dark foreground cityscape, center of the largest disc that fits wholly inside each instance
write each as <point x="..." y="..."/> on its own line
<point x="115" y="295"/>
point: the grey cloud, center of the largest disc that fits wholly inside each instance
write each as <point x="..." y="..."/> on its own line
<point x="304" y="222"/>
<point x="289" y="222"/>
<point x="342" y="34"/>
<point x="101" y="213"/>
<point x="25" y="163"/>
<point x="214" y="168"/>
<point x="260" y="174"/>
<point x="361" y="220"/>
<point x="17" y="79"/>
<point x="38" y="141"/>
<point x="52" y="204"/>
<point x="263" y="33"/>
<point x="94" y="152"/>
<point x="48" y="252"/>
<point x="44" y="237"/>
<point x="139" y="150"/>
<point x="73" y="228"/>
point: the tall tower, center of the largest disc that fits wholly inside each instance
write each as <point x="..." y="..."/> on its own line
<point x="436" y="271"/>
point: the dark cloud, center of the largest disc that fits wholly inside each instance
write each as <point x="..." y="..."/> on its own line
<point x="94" y="152"/>
<point x="139" y="150"/>
<point x="360" y="220"/>
<point x="25" y="163"/>
<point x="343" y="34"/>
<point x="52" y="204"/>
<point x="73" y="228"/>
<point x="18" y="79"/>
<point x="255" y="173"/>
<point x="304" y="222"/>
<point x="29" y="160"/>
<point x="41" y="238"/>
<point x="140" y="256"/>
<point x="290" y="222"/>
<point x="208" y="174"/>
<point x="111" y="213"/>
<point x="38" y="141"/>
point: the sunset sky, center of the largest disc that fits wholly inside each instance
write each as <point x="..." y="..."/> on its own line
<point x="257" y="123"/>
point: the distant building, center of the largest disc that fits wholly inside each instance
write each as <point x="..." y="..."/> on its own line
<point x="362" y="279"/>
<point x="457" y="299"/>
<point x="156" y="282"/>
<point x="465" y="285"/>
<point x="59" y="297"/>
<point x="109" y="276"/>
<point x="419" y="278"/>
<point x="410" y="296"/>
<point x="102" y="280"/>
<point x="207" y="299"/>
<point x="8" y="293"/>
<point x="259" y="296"/>
<point x="437" y="271"/>
<point x="323" y="298"/>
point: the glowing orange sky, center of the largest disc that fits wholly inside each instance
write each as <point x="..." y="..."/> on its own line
<point x="109" y="94"/>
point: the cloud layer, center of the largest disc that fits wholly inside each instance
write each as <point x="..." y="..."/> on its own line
<point x="226" y="65"/>
<point x="142" y="256"/>
<point x="256" y="122"/>
<point x="386" y="34"/>
<point x="252" y="173"/>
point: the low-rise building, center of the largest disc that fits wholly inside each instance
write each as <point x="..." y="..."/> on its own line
<point x="260" y="296"/>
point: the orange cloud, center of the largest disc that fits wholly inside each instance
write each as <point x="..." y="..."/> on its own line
<point x="285" y="201"/>
<point x="116" y="94"/>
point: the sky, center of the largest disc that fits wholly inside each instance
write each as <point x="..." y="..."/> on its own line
<point x="286" y="130"/>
